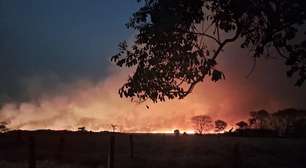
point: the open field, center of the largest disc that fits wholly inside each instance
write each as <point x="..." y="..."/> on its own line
<point x="85" y="149"/>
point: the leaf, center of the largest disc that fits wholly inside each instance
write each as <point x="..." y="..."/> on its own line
<point x="216" y="75"/>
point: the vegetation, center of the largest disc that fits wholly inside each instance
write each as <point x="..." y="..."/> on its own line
<point x="89" y="150"/>
<point x="259" y="119"/>
<point x="242" y="125"/>
<point x="202" y="123"/>
<point x="178" y="41"/>
<point x="288" y="122"/>
<point x="220" y="125"/>
<point x="3" y="127"/>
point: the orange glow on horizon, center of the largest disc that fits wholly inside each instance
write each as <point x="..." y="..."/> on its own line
<point x="97" y="105"/>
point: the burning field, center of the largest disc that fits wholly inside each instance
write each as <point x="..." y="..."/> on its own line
<point x="97" y="105"/>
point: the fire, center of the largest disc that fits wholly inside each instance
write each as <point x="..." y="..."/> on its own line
<point x="171" y="131"/>
<point x="96" y="106"/>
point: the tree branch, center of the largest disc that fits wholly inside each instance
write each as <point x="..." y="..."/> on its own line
<point x="225" y="42"/>
<point x="206" y="35"/>
<point x="280" y="53"/>
<point x="192" y="85"/>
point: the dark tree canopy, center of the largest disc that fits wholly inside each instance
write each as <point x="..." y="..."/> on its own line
<point x="178" y="41"/>
<point x="242" y="125"/>
<point x="220" y="125"/>
<point x="202" y="123"/>
<point x="3" y="127"/>
<point x="259" y="119"/>
<point x="289" y="118"/>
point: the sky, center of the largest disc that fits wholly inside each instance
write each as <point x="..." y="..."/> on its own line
<point x="55" y="72"/>
<point x="68" y="40"/>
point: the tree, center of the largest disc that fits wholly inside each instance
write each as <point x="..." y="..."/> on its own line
<point x="286" y="119"/>
<point x="82" y="129"/>
<point x="3" y="127"/>
<point x="260" y="119"/>
<point x="176" y="132"/>
<point x="220" y="125"/>
<point x="178" y="41"/>
<point x="202" y="123"/>
<point x="242" y="125"/>
<point x="299" y="128"/>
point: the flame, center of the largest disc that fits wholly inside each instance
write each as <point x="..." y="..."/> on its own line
<point x="97" y="105"/>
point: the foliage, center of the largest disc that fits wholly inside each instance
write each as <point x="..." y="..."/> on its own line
<point x="242" y="125"/>
<point x="259" y="119"/>
<point x="82" y="129"/>
<point x="202" y="123"/>
<point x="299" y="127"/>
<point x="220" y="125"/>
<point x="287" y="120"/>
<point x="176" y="132"/>
<point x="171" y="52"/>
<point x="3" y="127"/>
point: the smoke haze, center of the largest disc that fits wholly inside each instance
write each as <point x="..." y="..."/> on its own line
<point x="55" y="73"/>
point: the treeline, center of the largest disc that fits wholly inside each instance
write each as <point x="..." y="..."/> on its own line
<point x="287" y="122"/>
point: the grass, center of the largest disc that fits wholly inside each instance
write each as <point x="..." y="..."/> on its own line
<point x="152" y="150"/>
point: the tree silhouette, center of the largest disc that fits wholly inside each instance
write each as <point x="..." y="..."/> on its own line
<point x="3" y="127"/>
<point x="220" y="125"/>
<point x="82" y="129"/>
<point x="299" y="127"/>
<point x="176" y="132"/>
<point x="202" y="123"/>
<point x="242" y="125"/>
<point x="259" y="119"/>
<point x="286" y="119"/>
<point x="178" y="41"/>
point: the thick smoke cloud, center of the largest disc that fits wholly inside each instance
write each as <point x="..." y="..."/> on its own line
<point x="97" y="105"/>
<point x="55" y="74"/>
